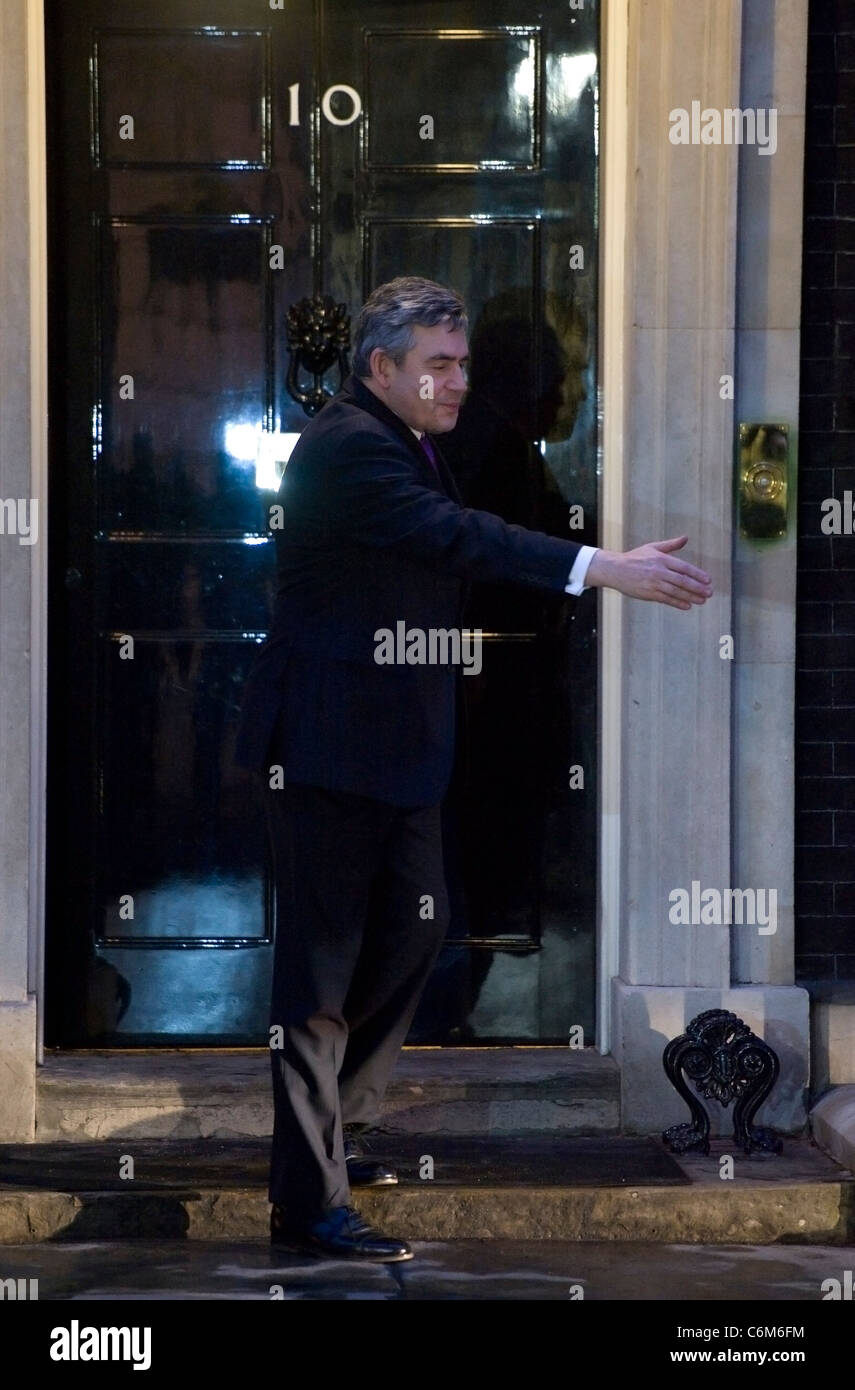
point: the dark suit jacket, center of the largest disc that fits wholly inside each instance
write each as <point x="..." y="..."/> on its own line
<point x="371" y="536"/>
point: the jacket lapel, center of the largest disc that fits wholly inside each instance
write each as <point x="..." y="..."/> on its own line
<point x="366" y="400"/>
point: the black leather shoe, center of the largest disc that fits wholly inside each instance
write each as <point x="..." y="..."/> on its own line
<point x="364" y="1171"/>
<point x="340" y="1232"/>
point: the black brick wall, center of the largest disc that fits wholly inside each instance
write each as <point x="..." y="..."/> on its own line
<point x="825" y="662"/>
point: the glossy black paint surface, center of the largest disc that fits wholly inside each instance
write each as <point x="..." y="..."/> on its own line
<point x="178" y="243"/>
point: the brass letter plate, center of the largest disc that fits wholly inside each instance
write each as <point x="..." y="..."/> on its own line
<point x="764" y="452"/>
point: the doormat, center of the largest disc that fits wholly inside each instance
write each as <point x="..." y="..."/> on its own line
<point x="458" y="1160"/>
<point x="541" y="1160"/>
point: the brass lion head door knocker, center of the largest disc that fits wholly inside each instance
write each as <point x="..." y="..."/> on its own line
<point x="318" y="338"/>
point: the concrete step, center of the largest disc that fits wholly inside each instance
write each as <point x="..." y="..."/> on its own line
<point x="832" y="1041"/>
<point x="206" y="1093"/>
<point x="832" y="1123"/>
<point x="519" y="1187"/>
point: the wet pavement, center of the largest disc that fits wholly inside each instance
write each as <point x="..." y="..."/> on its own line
<point x="480" y="1270"/>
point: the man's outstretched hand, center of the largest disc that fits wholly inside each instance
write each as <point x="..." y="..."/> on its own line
<point x="651" y="572"/>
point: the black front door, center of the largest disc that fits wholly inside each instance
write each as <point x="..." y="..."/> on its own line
<point x="215" y="163"/>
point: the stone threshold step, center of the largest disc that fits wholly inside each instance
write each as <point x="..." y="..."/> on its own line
<point x="705" y="1216"/>
<point x="541" y="1188"/>
<point x="213" y="1093"/>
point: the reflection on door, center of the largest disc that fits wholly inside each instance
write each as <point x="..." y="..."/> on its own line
<point x="214" y="163"/>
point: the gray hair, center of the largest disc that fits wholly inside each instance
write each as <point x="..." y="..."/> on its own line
<point x="387" y="318"/>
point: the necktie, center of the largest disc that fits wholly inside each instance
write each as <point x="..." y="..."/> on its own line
<point x="431" y="455"/>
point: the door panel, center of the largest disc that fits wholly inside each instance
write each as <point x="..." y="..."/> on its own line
<point x="481" y="89"/>
<point x="216" y="162"/>
<point x="165" y="82"/>
<point x="163" y="210"/>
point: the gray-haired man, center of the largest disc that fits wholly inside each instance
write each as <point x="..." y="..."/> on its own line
<point x="356" y="755"/>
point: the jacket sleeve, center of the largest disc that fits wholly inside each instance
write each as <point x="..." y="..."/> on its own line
<point x="376" y="499"/>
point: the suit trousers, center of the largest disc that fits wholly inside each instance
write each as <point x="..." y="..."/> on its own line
<point x="361" y="913"/>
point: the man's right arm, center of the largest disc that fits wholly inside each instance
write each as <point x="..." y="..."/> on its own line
<point x="375" y="499"/>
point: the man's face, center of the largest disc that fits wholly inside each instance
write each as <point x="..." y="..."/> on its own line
<point x="428" y="388"/>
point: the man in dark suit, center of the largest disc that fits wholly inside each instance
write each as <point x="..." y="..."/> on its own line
<point x="356" y="752"/>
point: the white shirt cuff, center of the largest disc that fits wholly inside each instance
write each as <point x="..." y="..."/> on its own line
<point x="576" y="582"/>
